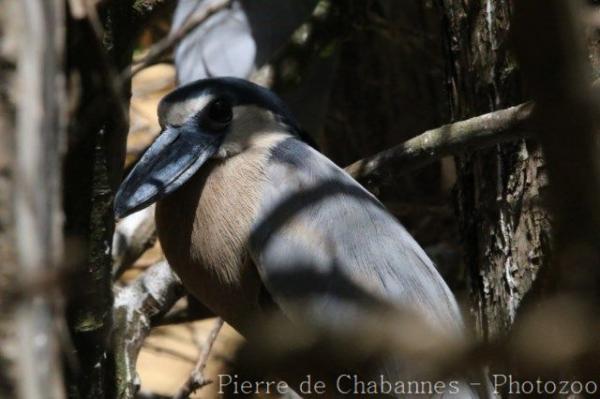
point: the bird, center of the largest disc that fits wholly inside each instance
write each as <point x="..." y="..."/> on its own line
<point x="254" y="219"/>
<point x="235" y="40"/>
<point x="241" y="40"/>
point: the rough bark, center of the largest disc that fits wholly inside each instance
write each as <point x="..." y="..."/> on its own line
<point x="98" y="48"/>
<point x="552" y="53"/>
<point x="504" y="229"/>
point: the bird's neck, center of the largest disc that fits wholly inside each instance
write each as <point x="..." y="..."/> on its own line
<point x="253" y="142"/>
<point x="204" y="227"/>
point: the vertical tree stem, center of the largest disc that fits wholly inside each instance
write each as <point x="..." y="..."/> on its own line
<point x="38" y="215"/>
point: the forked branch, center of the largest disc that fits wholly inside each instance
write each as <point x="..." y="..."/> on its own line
<point x="196" y="380"/>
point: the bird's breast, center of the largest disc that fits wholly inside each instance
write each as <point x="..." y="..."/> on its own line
<point x="204" y="229"/>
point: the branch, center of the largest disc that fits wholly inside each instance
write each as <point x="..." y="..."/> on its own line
<point x="196" y="379"/>
<point x="469" y="135"/>
<point x="162" y="47"/>
<point x="133" y="236"/>
<point x="136" y="305"/>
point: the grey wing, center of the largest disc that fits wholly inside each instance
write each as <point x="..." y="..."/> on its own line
<point x="324" y="243"/>
<point x="235" y="40"/>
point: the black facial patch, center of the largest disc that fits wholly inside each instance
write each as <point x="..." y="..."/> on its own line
<point x="241" y="92"/>
<point x="217" y="115"/>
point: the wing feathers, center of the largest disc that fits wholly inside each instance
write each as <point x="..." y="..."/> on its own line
<point x="325" y="241"/>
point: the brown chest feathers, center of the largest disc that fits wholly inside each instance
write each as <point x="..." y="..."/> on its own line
<point x="204" y="228"/>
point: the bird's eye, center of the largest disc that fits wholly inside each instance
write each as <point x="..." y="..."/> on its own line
<point x="219" y="113"/>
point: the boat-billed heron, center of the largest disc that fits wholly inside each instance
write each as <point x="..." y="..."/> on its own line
<point x="241" y="39"/>
<point x="253" y="218"/>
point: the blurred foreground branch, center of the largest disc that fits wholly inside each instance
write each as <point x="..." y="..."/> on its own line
<point x="38" y="217"/>
<point x="550" y="338"/>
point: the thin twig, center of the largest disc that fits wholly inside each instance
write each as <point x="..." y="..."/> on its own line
<point x="162" y="47"/>
<point x="196" y="379"/>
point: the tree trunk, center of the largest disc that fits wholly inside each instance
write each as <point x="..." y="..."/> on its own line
<point x="93" y="168"/>
<point x="504" y="229"/>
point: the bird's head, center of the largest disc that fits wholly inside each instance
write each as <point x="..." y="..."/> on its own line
<point x="211" y="118"/>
